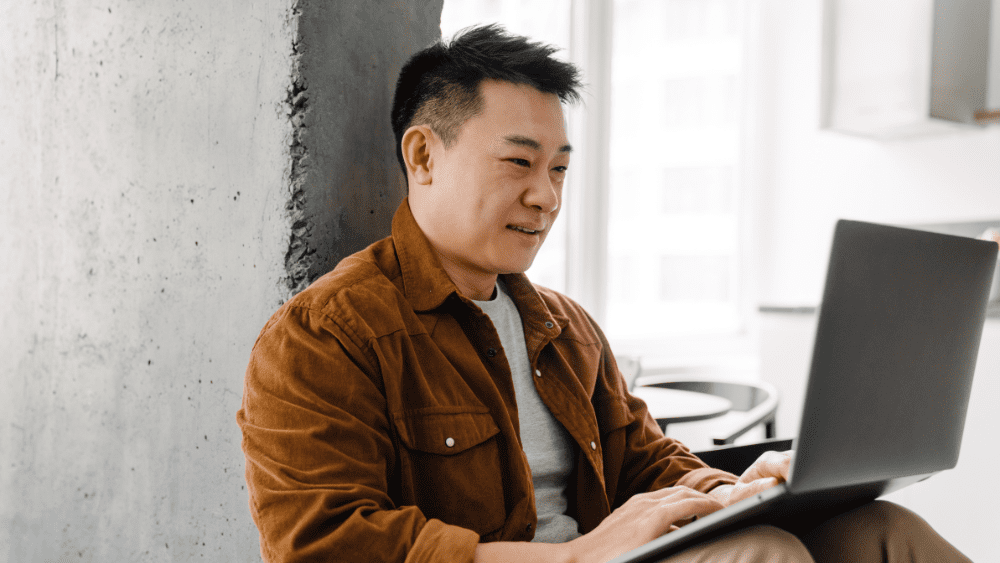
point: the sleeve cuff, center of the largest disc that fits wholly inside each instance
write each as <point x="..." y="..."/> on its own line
<point x="706" y="479"/>
<point x="440" y="542"/>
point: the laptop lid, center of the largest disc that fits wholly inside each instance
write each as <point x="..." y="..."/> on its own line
<point x="896" y="345"/>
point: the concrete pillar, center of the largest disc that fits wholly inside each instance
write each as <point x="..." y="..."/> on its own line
<point x="146" y="178"/>
<point x="345" y="179"/>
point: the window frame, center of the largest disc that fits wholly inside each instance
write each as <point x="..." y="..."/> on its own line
<point x="586" y="212"/>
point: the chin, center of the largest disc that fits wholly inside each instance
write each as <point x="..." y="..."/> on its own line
<point x="516" y="269"/>
<point x="515" y="266"/>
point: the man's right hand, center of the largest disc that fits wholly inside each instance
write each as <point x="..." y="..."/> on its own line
<point x="642" y="518"/>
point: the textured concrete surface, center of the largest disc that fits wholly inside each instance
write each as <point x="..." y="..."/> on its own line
<point x="158" y="161"/>
<point x="143" y="169"/>
<point x="346" y="182"/>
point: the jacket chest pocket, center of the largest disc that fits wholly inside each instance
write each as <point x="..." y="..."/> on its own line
<point x="451" y="466"/>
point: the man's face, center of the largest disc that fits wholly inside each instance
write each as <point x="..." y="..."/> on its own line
<point x="495" y="193"/>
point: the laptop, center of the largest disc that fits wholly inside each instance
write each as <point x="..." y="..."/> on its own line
<point x="896" y="345"/>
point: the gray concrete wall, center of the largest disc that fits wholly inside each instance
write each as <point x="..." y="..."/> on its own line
<point x="346" y="182"/>
<point x="149" y="156"/>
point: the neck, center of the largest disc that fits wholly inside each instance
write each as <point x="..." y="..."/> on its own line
<point x="477" y="286"/>
<point x="477" y="290"/>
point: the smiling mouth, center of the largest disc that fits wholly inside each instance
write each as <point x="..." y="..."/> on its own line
<point x="522" y="230"/>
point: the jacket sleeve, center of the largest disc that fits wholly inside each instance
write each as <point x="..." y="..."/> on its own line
<point x="320" y="452"/>
<point x="660" y="461"/>
<point x="652" y="461"/>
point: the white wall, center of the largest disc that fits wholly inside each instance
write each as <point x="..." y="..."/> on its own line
<point x="803" y="179"/>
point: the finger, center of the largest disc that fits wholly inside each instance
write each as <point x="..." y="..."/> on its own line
<point x="659" y="495"/>
<point x="762" y="484"/>
<point x="684" y="522"/>
<point x="758" y="486"/>
<point x="678" y="494"/>
<point x="746" y="490"/>
<point x="679" y="500"/>
<point x="789" y="458"/>
<point x="784" y="461"/>
<point x="769" y="464"/>
<point x="673" y="491"/>
<point x="685" y="508"/>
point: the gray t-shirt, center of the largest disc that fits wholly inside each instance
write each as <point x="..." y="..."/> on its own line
<point x="547" y="445"/>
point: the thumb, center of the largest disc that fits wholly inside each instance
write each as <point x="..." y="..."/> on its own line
<point x="748" y="489"/>
<point x="760" y="485"/>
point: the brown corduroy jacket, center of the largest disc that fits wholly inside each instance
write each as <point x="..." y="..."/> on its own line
<point x="379" y="419"/>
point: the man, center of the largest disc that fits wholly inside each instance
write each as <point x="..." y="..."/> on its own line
<point x="425" y="402"/>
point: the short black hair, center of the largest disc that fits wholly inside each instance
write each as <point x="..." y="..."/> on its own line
<point x="439" y="86"/>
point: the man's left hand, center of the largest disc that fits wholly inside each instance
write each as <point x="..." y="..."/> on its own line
<point x="770" y="469"/>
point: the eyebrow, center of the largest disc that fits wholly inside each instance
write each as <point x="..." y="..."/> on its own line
<point x="522" y="141"/>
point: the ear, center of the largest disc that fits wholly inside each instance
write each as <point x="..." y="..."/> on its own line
<point x="416" y="147"/>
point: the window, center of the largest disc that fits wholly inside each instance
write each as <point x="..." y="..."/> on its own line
<point x="669" y="92"/>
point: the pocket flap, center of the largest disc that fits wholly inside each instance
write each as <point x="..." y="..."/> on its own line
<point x="445" y="430"/>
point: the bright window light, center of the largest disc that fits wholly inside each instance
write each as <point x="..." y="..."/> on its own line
<point x="674" y="192"/>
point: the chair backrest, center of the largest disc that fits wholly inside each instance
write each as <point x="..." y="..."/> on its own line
<point x="758" y="400"/>
<point x="744" y="395"/>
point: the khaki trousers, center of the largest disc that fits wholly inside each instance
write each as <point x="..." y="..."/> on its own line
<point x="877" y="532"/>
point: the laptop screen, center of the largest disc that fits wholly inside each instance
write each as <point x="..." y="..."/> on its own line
<point x="896" y="346"/>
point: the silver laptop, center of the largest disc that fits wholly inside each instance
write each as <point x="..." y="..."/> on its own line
<point x="896" y="345"/>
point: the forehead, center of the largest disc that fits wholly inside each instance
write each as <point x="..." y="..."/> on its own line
<point x="517" y="110"/>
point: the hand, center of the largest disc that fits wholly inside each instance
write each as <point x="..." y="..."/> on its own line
<point x="770" y="469"/>
<point x="643" y="518"/>
<point x="992" y="234"/>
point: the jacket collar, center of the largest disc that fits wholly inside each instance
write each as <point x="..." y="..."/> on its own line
<point x="533" y="309"/>
<point x="426" y="285"/>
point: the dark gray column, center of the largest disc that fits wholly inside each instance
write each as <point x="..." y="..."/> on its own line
<point x="345" y="182"/>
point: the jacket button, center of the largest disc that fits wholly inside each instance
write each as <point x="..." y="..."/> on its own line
<point x="528" y="527"/>
<point x="491" y="352"/>
<point x="450" y="442"/>
<point x="548" y="324"/>
<point x="593" y="446"/>
<point x="538" y="372"/>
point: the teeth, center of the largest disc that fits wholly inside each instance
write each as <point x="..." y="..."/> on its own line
<point x="523" y="230"/>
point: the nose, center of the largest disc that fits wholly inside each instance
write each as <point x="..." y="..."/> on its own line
<point x="544" y="193"/>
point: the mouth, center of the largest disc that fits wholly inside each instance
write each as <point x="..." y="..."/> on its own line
<point x="525" y="230"/>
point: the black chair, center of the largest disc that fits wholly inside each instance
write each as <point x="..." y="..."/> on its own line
<point x="756" y="399"/>
<point x="736" y="459"/>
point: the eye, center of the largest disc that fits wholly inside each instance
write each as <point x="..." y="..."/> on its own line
<point x="520" y="162"/>
<point x="560" y="169"/>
